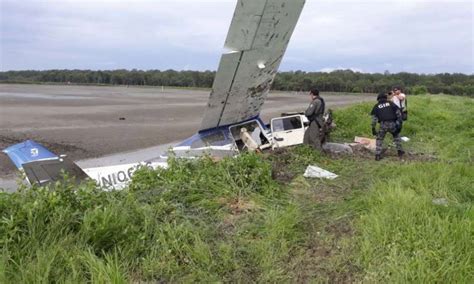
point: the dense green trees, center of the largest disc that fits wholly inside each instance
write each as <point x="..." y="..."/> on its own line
<point x="419" y="90"/>
<point x="349" y="81"/>
<point x="336" y="81"/>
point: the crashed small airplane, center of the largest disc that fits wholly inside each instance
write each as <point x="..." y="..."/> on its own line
<point x="257" y="39"/>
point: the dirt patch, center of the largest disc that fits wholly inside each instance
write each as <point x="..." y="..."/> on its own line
<point x="280" y="159"/>
<point x="327" y="194"/>
<point x="340" y="228"/>
<point x="422" y="157"/>
<point x="325" y="259"/>
<point x="237" y="207"/>
<point x="389" y="153"/>
<point x="8" y="140"/>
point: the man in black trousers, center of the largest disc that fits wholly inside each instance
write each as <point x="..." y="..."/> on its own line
<point x="390" y="119"/>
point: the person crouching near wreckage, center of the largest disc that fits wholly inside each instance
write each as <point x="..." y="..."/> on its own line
<point x="390" y="119"/>
<point x="314" y="113"/>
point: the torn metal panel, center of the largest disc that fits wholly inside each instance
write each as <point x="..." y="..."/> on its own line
<point x="250" y="79"/>
<point x="317" y="172"/>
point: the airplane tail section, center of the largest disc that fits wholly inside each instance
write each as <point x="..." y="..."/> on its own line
<point x="42" y="166"/>
<point x="258" y="37"/>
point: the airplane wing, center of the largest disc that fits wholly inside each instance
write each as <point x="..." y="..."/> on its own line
<point x="257" y="37"/>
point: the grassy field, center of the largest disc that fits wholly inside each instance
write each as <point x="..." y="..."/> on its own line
<point x="255" y="218"/>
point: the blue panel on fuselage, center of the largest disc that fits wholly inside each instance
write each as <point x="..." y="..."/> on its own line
<point x="27" y="151"/>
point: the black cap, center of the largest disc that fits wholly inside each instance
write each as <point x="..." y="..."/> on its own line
<point x="381" y="96"/>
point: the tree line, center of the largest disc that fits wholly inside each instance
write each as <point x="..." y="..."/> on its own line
<point x="336" y="81"/>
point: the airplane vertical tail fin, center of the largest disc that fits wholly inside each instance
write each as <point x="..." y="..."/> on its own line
<point x="258" y="37"/>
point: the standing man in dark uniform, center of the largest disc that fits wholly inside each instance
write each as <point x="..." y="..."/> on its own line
<point x="314" y="113"/>
<point x="390" y="119"/>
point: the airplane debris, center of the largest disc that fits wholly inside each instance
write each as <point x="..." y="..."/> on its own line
<point x="317" y="172"/>
<point x="368" y="143"/>
<point x="337" y="148"/>
<point x="440" y="201"/>
<point x="248" y="140"/>
<point x="405" y="139"/>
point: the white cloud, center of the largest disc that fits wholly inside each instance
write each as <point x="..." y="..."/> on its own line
<point x="330" y="69"/>
<point x="371" y="35"/>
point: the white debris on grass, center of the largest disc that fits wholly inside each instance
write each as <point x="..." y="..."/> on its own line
<point x="405" y="139"/>
<point x="317" y="172"/>
<point x="440" y="201"/>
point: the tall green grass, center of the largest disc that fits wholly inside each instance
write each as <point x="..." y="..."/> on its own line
<point x="231" y="221"/>
<point x="196" y="221"/>
<point x="404" y="234"/>
<point x="437" y="124"/>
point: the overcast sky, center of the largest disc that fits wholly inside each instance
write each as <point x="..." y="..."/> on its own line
<point x="423" y="36"/>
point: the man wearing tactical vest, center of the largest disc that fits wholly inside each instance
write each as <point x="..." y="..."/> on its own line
<point x="390" y="119"/>
<point x="314" y="113"/>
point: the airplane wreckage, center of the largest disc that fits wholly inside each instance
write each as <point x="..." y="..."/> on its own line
<point x="258" y="37"/>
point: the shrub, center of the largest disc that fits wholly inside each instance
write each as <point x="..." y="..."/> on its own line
<point x="419" y="90"/>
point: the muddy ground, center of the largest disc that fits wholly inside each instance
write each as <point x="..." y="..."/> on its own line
<point x="92" y="121"/>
